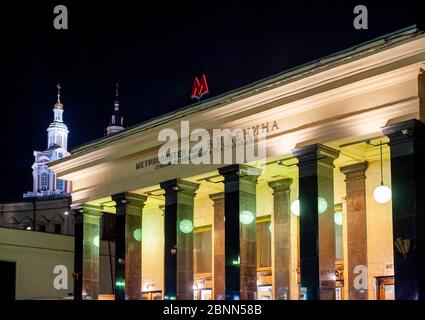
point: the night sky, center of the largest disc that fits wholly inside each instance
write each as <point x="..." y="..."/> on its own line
<point x="153" y="50"/>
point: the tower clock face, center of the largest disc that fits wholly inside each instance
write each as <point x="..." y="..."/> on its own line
<point x="60" y="153"/>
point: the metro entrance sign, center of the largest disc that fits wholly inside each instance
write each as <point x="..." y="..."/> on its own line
<point x="199" y="88"/>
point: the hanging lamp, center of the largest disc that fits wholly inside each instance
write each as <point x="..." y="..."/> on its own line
<point x="382" y="193"/>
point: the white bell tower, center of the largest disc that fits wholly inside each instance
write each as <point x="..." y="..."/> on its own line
<point x="45" y="182"/>
<point x="57" y="131"/>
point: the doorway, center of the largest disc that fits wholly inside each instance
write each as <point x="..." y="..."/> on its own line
<point x="8" y="270"/>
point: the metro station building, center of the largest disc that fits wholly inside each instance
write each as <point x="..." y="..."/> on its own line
<point x="309" y="224"/>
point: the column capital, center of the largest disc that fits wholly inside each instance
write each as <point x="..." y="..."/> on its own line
<point x="355" y="171"/>
<point x="216" y="197"/>
<point x="180" y="185"/>
<point x="315" y="153"/>
<point x="281" y="185"/>
<point x="131" y="199"/>
<point x="405" y="132"/>
<point x="76" y="207"/>
<point x="78" y="212"/>
<point x="407" y="128"/>
<point x="239" y="171"/>
<point x="92" y="210"/>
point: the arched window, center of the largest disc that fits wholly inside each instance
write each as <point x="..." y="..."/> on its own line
<point x="26" y="223"/>
<point x="113" y="120"/>
<point x="42" y="223"/>
<point x="58" y="223"/>
<point x="122" y="121"/>
<point x="44" y="181"/>
<point x="12" y="223"/>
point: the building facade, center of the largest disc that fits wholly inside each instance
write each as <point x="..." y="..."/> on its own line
<point x="44" y="214"/>
<point x="36" y="231"/>
<point x="45" y="182"/>
<point x="46" y="208"/>
<point x="334" y="210"/>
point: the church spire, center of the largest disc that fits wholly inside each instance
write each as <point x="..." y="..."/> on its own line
<point x="117" y="101"/>
<point x="45" y="182"/>
<point x="59" y="104"/>
<point x="116" y="122"/>
<point x="57" y="131"/>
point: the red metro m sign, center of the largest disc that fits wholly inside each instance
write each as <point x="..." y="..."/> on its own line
<point x="199" y="88"/>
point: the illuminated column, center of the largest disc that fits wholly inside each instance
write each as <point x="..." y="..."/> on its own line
<point x="91" y="245"/>
<point x="78" y="254"/>
<point x="281" y="235"/>
<point x="356" y="225"/>
<point x="218" y="246"/>
<point x="128" y="245"/>
<point x="178" y="245"/>
<point x="407" y="144"/>
<point x="317" y="230"/>
<point x="240" y="231"/>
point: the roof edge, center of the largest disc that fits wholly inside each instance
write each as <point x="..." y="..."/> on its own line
<point x="380" y="42"/>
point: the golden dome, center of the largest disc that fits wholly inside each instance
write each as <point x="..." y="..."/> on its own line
<point x="58" y="105"/>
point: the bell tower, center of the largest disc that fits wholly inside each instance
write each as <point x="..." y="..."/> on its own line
<point x="116" y="122"/>
<point x="45" y="182"/>
<point x="58" y="131"/>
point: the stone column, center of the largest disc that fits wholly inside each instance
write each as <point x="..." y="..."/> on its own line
<point x="281" y="237"/>
<point x="178" y="245"/>
<point x="356" y="225"/>
<point x="78" y="254"/>
<point x="218" y="246"/>
<point x="128" y="245"/>
<point x="407" y="144"/>
<point x="240" y="231"/>
<point x="91" y="243"/>
<point x="317" y="231"/>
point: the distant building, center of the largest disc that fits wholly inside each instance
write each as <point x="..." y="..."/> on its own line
<point x="45" y="182"/>
<point x="46" y="208"/>
<point x="44" y="214"/>
<point x="116" y="123"/>
<point x="28" y="258"/>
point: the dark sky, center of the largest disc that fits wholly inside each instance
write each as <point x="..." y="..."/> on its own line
<point x="153" y="50"/>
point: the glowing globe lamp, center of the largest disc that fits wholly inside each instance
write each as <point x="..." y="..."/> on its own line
<point x="322" y="205"/>
<point x="246" y="217"/>
<point x="186" y="226"/>
<point x="137" y="234"/>
<point x="382" y="194"/>
<point x="338" y="218"/>
<point x="295" y="208"/>
<point x="120" y="283"/>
